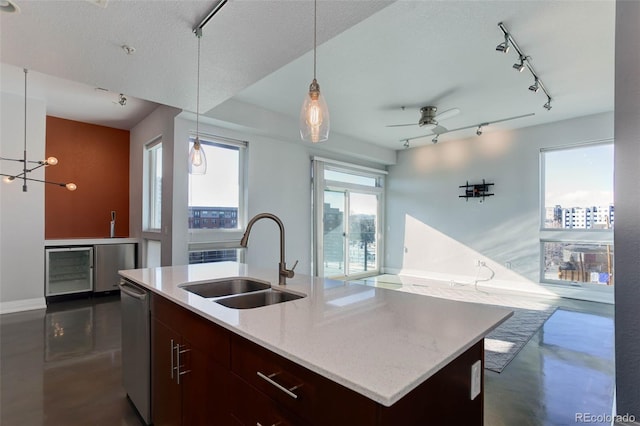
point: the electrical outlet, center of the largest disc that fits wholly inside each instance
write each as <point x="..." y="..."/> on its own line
<point x="476" y="379"/>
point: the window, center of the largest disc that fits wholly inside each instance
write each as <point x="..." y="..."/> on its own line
<point x="577" y="215"/>
<point x="153" y="186"/>
<point x="216" y="202"/>
<point x="216" y="198"/>
<point x="349" y="204"/>
<point x="578" y="187"/>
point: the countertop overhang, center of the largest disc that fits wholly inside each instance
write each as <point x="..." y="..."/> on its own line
<point x="380" y="343"/>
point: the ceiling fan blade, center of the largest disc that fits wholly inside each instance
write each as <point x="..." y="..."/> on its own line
<point x="486" y="123"/>
<point x="401" y="125"/>
<point x="447" y="114"/>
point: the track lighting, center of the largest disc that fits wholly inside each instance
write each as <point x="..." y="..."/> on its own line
<point x="197" y="157"/>
<point x="525" y="62"/>
<point x="479" y="131"/>
<point x="520" y="66"/>
<point x="435" y="139"/>
<point x="535" y="87"/>
<point x="406" y="144"/>
<point x="504" y="46"/>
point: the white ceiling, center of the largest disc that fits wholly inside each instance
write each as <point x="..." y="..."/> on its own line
<point x="373" y="58"/>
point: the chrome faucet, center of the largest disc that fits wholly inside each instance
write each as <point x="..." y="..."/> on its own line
<point x="283" y="272"/>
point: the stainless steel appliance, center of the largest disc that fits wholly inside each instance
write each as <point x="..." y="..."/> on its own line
<point x="136" y="346"/>
<point x="109" y="259"/>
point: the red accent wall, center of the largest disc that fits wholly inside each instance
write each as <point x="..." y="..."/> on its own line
<point x="96" y="158"/>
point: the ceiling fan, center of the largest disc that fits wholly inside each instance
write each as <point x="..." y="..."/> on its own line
<point x="429" y="118"/>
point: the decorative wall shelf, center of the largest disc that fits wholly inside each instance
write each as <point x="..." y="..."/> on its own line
<point x="476" y="190"/>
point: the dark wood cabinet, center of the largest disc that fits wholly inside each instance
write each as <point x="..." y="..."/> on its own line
<point x="190" y="374"/>
<point x="202" y="374"/>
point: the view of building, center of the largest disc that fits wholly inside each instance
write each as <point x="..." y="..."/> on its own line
<point x="595" y="217"/>
<point x="213" y="217"/>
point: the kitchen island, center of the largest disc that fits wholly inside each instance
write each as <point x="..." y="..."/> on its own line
<point x="343" y="354"/>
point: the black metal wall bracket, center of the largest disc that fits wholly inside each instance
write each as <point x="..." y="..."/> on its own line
<point x="476" y="190"/>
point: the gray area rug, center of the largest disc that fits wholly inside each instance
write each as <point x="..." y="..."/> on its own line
<point x="503" y="343"/>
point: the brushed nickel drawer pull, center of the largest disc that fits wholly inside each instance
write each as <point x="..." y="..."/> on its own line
<point x="278" y="385"/>
<point x="178" y="365"/>
<point x="172" y="367"/>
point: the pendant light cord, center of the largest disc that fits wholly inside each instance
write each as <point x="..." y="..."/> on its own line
<point x="199" y="35"/>
<point x="24" y="169"/>
<point x="315" y="14"/>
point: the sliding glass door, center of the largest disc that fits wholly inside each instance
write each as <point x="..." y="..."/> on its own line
<point x="348" y="235"/>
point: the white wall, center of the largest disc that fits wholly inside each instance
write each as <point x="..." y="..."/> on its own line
<point x="279" y="182"/>
<point x="627" y="202"/>
<point x="158" y="124"/>
<point x="432" y="232"/>
<point x="21" y="213"/>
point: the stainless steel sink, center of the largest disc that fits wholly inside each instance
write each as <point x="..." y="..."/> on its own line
<point x="258" y="299"/>
<point x="227" y="287"/>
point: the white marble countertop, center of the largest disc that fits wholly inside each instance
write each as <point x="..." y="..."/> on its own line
<point x="88" y="241"/>
<point x="380" y="343"/>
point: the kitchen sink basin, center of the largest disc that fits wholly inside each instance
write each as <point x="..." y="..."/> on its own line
<point x="258" y="299"/>
<point x="226" y="287"/>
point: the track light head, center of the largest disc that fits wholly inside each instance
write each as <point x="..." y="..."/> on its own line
<point x="435" y="139"/>
<point x="504" y="46"/>
<point x="547" y="106"/>
<point x="479" y="131"/>
<point x="520" y="67"/>
<point x="535" y="87"/>
<point x="406" y="144"/>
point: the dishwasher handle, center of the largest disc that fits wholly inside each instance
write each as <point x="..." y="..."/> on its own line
<point x="132" y="291"/>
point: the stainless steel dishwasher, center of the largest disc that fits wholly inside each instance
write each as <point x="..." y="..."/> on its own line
<point x="136" y="346"/>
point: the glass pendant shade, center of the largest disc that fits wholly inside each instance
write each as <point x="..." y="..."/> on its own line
<point x="314" y="116"/>
<point x="197" y="159"/>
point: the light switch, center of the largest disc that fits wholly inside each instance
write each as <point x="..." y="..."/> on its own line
<point x="476" y="379"/>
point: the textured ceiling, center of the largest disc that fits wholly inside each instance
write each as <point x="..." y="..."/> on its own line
<point x="373" y="58"/>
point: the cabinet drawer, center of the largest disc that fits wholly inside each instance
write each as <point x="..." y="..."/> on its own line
<point x="201" y="333"/>
<point x="308" y="395"/>
<point x="252" y="407"/>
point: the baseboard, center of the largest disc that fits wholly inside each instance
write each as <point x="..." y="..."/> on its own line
<point x="22" y="305"/>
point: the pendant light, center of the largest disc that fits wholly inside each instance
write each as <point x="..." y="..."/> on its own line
<point x="197" y="157"/>
<point x="51" y="161"/>
<point x="314" y="116"/>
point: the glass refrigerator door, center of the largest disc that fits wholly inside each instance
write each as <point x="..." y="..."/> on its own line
<point x="69" y="270"/>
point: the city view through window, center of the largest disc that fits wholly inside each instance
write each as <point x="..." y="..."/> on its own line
<point x="214" y="198"/>
<point x="578" y="197"/>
